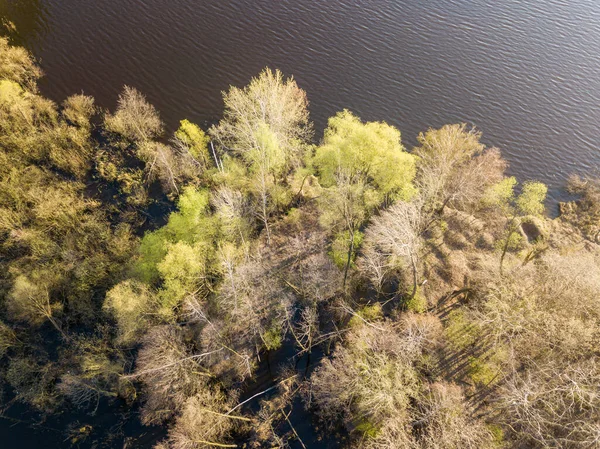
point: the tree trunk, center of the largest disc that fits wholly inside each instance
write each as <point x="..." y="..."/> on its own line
<point x="511" y="231"/>
<point x="57" y="327"/>
<point x="349" y="259"/>
<point x="414" y="273"/>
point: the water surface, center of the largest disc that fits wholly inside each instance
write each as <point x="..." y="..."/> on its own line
<point x="524" y="72"/>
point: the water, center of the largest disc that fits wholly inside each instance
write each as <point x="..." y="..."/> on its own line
<point x="524" y="72"/>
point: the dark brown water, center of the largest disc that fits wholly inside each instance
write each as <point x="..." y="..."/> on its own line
<point x="527" y="73"/>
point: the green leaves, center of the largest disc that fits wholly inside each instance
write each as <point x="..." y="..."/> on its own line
<point x="531" y="199"/>
<point x="529" y="202"/>
<point x="370" y="151"/>
<point x="500" y="194"/>
<point x="195" y="140"/>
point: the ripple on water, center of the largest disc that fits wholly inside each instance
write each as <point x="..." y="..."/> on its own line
<point x="524" y="72"/>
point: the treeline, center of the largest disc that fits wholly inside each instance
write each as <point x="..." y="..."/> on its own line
<point x="441" y="307"/>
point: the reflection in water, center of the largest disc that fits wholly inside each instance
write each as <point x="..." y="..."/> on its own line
<point x="23" y="21"/>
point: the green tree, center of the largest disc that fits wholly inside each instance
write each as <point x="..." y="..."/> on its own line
<point x="361" y="166"/>
<point x="530" y="203"/>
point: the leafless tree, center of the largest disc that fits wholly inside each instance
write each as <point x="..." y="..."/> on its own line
<point x="453" y="167"/>
<point x="171" y="374"/>
<point x="204" y="421"/>
<point x="135" y="118"/>
<point x="554" y="405"/>
<point x="395" y="235"/>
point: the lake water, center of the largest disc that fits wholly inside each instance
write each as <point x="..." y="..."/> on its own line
<point x="526" y="73"/>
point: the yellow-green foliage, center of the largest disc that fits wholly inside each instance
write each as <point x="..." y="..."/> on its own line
<point x="481" y="372"/>
<point x="192" y="224"/>
<point x="370" y="379"/>
<point x="268" y="101"/>
<point x="497" y="434"/>
<point x="78" y="109"/>
<point x="511" y="240"/>
<point x="500" y="194"/>
<point x="418" y="302"/>
<point x="183" y="271"/>
<point x="369" y="150"/>
<point x="29" y="299"/>
<point x="340" y="246"/>
<point x="131" y="303"/>
<point x="272" y="338"/>
<point x="195" y="140"/>
<point x="17" y="65"/>
<point x="461" y="332"/>
<point x="31" y="127"/>
<point x="267" y="157"/>
<point x="454" y="143"/>
<point x="529" y="202"/>
<point x="367" y="428"/>
<point x="367" y="313"/>
<point x="531" y="199"/>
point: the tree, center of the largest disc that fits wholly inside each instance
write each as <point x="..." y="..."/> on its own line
<point x="131" y="303"/>
<point x="585" y="212"/>
<point x="361" y="165"/>
<point x="256" y="305"/>
<point x="396" y="235"/>
<point x="266" y="128"/>
<point x="205" y="421"/>
<point x="171" y="374"/>
<point x="372" y="378"/>
<point x="344" y="209"/>
<point x="554" y="405"/>
<point x="93" y="371"/>
<point x="192" y="224"/>
<point x="17" y="65"/>
<point x="31" y="301"/>
<point x="267" y="162"/>
<point x="78" y="110"/>
<point x="454" y="167"/>
<point x="441" y="420"/>
<point x="135" y="119"/>
<point x="518" y="209"/>
<point x="191" y="142"/>
<point x="268" y="101"/>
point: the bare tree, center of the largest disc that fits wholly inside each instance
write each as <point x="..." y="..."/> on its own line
<point x="205" y="421"/>
<point x="171" y="374"/>
<point x="554" y="405"/>
<point x="396" y="235"/>
<point x="372" y="378"/>
<point x="453" y="167"/>
<point x="135" y="118"/>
